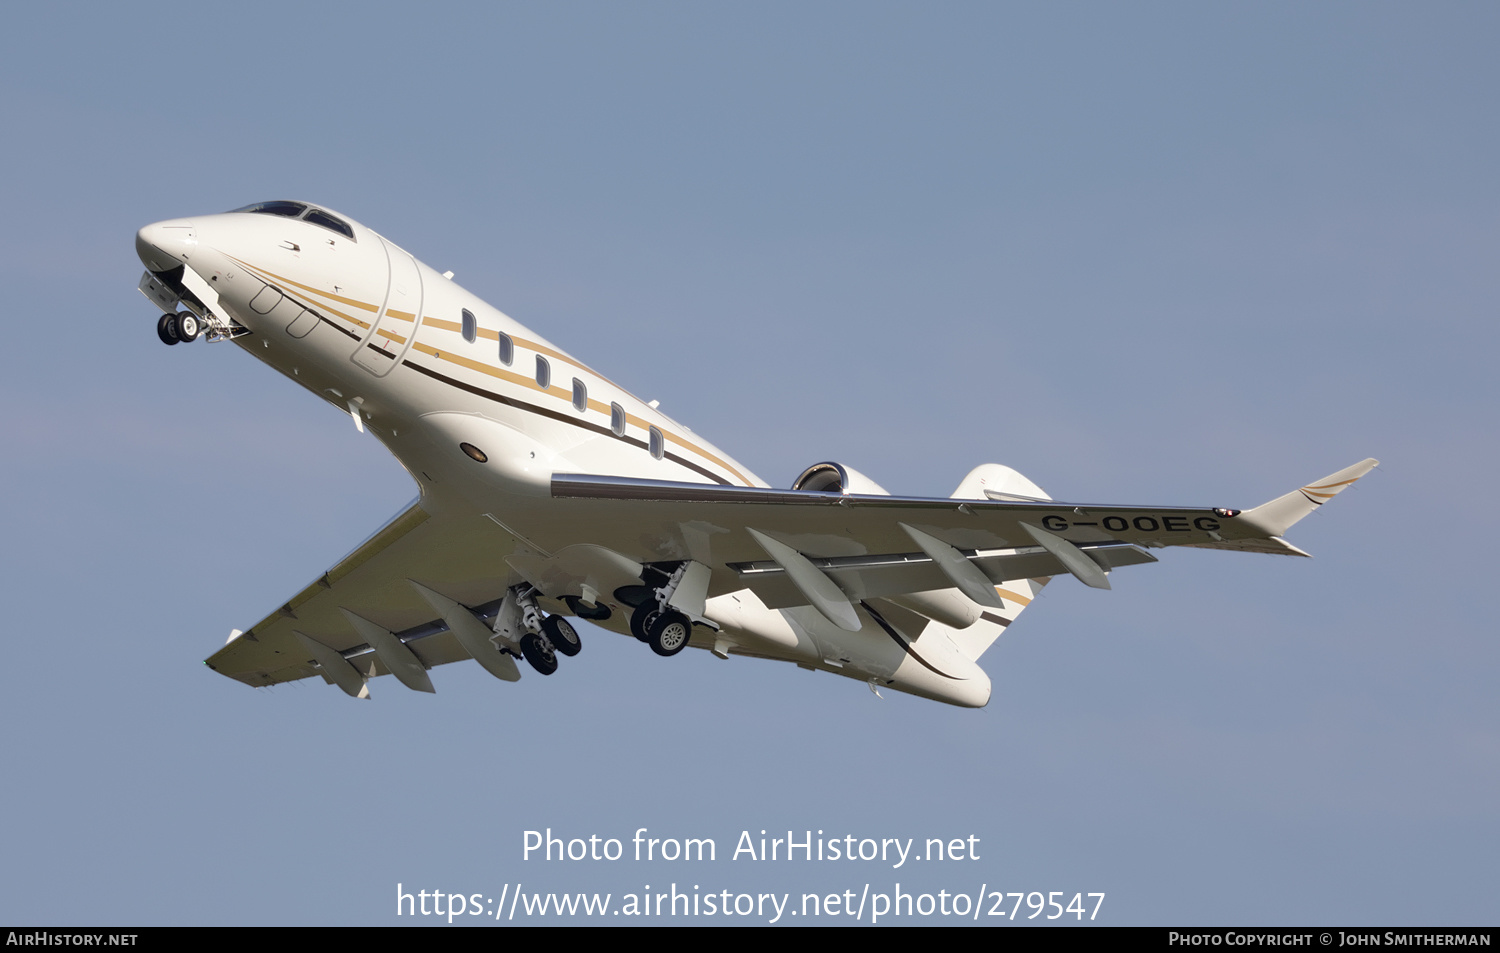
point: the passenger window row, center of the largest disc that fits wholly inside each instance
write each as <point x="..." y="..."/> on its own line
<point x="507" y="354"/>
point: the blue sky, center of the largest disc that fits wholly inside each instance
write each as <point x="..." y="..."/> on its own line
<point x="1150" y="253"/>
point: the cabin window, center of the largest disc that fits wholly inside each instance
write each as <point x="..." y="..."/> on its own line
<point x="507" y="349"/>
<point x="543" y="373"/>
<point x="658" y="445"/>
<point x="617" y="419"/>
<point x="580" y="396"/>
<point x="471" y="327"/>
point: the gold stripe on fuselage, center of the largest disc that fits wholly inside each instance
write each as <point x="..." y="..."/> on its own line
<point x="1013" y="596"/>
<point x="557" y="392"/>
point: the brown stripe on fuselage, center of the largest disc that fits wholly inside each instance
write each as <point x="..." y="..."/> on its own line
<point x="558" y="393"/>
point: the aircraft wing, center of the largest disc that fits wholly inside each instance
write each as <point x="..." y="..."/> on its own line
<point x="779" y="542"/>
<point x="421" y="590"/>
<point x="346" y="610"/>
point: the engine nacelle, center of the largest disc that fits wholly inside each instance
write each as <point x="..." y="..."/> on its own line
<point x="837" y="478"/>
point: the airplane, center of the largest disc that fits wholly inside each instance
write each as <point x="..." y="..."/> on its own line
<point x="549" y="493"/>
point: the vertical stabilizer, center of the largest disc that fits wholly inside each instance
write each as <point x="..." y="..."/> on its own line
<point x="993" y="481"/>
<point x="974" y="640"/>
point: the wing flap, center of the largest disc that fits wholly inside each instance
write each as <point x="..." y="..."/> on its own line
<point x="708" y="522"/>
<point x="1272" y="545"/>
<point x="822" y="524"/>
<point x="674" y="521"/>
<point x="897" y="574"/>
<point x="461" y="557"/>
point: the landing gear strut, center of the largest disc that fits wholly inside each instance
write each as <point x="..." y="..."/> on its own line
<point x="546" y="636"/>
<point x="661" y="626"/>
<point x="175" y="327"/>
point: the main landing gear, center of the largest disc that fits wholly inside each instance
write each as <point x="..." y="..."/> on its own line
<point x="560" y="632"/>
<point x="546" y="636"/>
<point x="666" y="631"/>
<point x="537" y="650"/>
<point x="655" y="622"/>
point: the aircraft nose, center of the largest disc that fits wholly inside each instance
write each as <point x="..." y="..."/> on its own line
<point x="165" y="245"/>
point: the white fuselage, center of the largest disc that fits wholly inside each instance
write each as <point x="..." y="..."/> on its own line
<point x="436" y="374"/>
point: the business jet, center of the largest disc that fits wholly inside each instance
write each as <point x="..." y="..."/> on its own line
<point x="548" y="493"/>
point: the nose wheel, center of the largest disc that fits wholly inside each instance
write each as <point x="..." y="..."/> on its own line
<point x="178" y="327"/>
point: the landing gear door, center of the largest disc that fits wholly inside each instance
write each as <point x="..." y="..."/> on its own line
<point x="400" y="315"/>
<point x="159" y="294"/>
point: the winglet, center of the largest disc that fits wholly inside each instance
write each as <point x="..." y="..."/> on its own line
<point x="1277" y="516"/>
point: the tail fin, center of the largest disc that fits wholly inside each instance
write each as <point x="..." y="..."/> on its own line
<point x="991" y="481"/>
<point x="1278" y="516"/>
<point x="974" y="640"/>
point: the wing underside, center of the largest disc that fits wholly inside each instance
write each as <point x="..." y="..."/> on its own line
<point x="423" y="590"/>
<point x="462" y="559"/>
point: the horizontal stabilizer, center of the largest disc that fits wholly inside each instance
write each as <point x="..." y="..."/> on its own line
<point x="897" y="574"/>
<point x="1278" y="516"/>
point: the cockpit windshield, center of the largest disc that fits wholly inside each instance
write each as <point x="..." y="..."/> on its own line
<point x="320" y="217"/>
<point x="285" y="209"/>
<point x="306" y="213"/>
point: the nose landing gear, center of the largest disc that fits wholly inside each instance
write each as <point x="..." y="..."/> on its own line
<point x="178" y="326"/>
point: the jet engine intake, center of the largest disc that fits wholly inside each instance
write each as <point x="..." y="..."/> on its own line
<point x="837" y="478"/>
